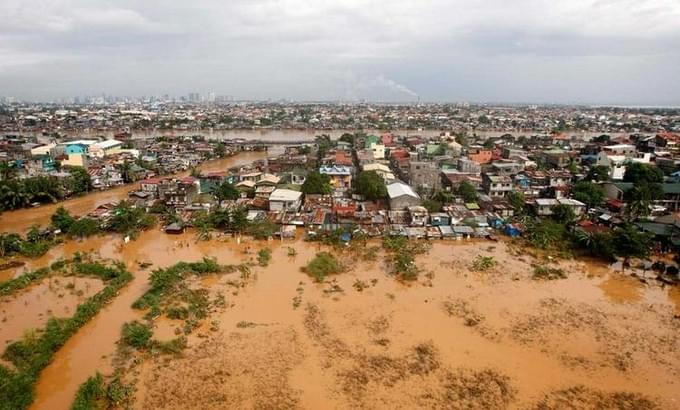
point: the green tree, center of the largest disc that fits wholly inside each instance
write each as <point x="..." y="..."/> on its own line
<point x="517" y="201"/>
<point x="317" y="183"/>
<point x="129" y="220"/>
<point x="630" y="242"/>
<point x="639" y="198"/>
<point x="323" y="145"/>
<point x="13" y="195"/>
<point x="563" y="214"/>
<point x="588" y="193"/>
<point x="80" y="180"/>
<point x="62" y="219"/>
<point x="9" y="243"/>
<point x="598" y="173"/>
<point x="467" y="191"/>
<point x="226" y="191"/>
<point x="239" y="219"/>
<point x="546" y="234"/>
<point x="125" y="170"/>
<point x="84" y="227"/>
<point x="432" y="206"/>
<point x="637" y="172"/>
<point x="370" y="185"/>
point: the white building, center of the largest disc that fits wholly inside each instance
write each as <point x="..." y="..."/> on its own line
<point x="285" y="200"/>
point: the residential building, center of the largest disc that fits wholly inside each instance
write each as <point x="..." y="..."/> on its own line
<point x="285" y="200"/>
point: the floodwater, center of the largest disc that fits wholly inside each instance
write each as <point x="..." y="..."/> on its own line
<point x="22" y="219"/>
<point x="542" y="336"/>
<point x="30" y="308"/>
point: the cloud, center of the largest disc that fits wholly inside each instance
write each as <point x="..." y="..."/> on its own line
<point x="303" y="49"/>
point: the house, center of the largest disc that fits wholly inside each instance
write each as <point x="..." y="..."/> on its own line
<point x="556" y="158"/>
<point x="481" y="156"/>
<point x="285" y="200"/>
<point x="615" y="191"/>
<point x="340" y="175"/>
<point x="440" y="219"/>
<point x="418" y="214"/>
<point x="496" y="185"/>
<point x="401" y="196"/>
<point x="468" y="166"/>
<point x="544" y="206"/>
<point x="381" y="169"/>
<point x="506" y="168"/>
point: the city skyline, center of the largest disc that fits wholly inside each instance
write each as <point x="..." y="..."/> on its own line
<point x="591" y="52"/>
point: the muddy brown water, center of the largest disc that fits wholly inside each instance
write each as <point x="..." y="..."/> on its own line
<point x="21" y="220"/>
<point x="507" y="301"/>
<point x="30" y="308"/>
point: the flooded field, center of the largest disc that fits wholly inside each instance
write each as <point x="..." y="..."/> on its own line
<point x="30" y="308"/>
<point x="453" y="339"/>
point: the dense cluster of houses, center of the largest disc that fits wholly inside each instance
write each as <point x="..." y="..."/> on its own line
<point x="109" y="162"/>
<point x="415" y="170"/>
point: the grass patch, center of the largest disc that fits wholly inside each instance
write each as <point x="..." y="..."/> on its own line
<point x="542" y="272"/>
<point x="483" y="263"/>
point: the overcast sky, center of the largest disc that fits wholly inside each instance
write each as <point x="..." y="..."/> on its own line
<point x="588" y="51"/>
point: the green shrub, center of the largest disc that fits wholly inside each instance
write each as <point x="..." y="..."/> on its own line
<point x="322" y="265"/>
<point x="264" y="255"/>
<point x="482" y="263"/>
<point x="91" y="394"/>
<point x="137" y="334"/>
<point x="548" y="273"/>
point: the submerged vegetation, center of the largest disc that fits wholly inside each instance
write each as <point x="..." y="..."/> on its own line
<point x="483" y="263"/>
<point x="401" y="255"/>
<point x="323" y="265"/>
<point x="98" y="394"/>
<point x="31" y="354"/>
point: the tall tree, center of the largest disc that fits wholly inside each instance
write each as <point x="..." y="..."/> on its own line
<point x="370" y="185"/>
<point x="467" y="191"/>
<point x="588" y="193"/>
<point x="637" y="172"/>
<point x="226" y="191"/>
<point x="317" y="183"/>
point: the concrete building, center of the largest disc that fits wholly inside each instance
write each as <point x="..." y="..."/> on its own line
<point x="496" y="185"/>
<point x="424" y="175"/>
<point x="285" y="200"/>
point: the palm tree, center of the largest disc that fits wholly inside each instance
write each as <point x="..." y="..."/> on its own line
<point x="13" y="196"/>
